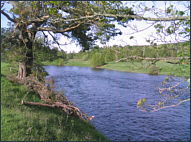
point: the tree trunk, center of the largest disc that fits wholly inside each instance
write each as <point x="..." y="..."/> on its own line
<point x="25" y="66"/>
<point x="29" y="60"/>
<point x="22" y="70"/>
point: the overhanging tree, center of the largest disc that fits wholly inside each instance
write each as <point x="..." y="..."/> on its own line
<point x="29" y="17"/>
<point x="82" y="17"/>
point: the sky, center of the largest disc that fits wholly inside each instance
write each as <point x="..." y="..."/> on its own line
<point x="124" y="39"/>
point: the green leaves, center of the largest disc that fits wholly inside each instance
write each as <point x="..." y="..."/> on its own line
<point x="16" y="11"/>
<point x="131" y="37"/>
<point x="102" y="2"/>
<point x="168" y="10"/>
<point x="53" y="11"/>
<point x="181" y="13"/>
<point x="141" y="102"/>
<point x="144" y="100"/>
<point x="187" y="29"/>
<point x="158" y="27"/>
<point x="147" y="9"/>
<point x="11" y="10"/>
<point x="167" y="79"/>
<point x="160" y="103"/>
<point x="53" y="2"/>
<point x="99" y="33"/>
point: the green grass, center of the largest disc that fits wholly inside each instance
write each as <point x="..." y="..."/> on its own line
<point x="37" y="123"/>
<point x="164" y="68"/>
<point x="55" y="62"/>
<point x="70" y="62"/>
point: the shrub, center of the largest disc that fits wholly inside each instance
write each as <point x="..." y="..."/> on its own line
<point x="97" y="60"/>
<point x="70" y="56"/>
<point x="61" y="62"/>
<point x="153" y="70"/>
<point x="109" y="57"/>
<point x="85" y="57"/>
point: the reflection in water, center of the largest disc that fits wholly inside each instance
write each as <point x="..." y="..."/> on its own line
<point x="111" y="96"/>
<point x="97" y="69"/>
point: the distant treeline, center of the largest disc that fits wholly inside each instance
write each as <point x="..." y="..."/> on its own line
<point x="109" y="53"/>
<point x="43" y="52"/>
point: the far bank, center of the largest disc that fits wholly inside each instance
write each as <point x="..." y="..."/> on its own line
<point x="136" y="67"/>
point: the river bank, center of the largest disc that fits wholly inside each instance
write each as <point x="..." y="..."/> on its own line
<point x="163" y="67"/>
<point x="37" y="123"/>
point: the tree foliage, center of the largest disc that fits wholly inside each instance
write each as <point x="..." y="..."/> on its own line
<point x="97" y="60"/>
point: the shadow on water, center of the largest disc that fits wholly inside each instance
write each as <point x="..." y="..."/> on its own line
<point x="97" y="69"/>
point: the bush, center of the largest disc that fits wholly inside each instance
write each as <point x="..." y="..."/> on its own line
<point x="61" y="62"/>
<point x="153" y="70"/>
<point x="97" y="60"/>
<point x="85" y="57"/>
<point x="70" y="56"/>
<point x="109" y="57"/>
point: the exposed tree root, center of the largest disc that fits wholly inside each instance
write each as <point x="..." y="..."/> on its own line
<point x="52" y="98"/>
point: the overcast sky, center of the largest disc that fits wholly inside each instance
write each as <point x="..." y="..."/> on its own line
<point x="139" y="38"/>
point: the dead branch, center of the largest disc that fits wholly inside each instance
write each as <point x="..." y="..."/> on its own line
<point x="68" y="109"/>
<point x="52" y="98"/>
<point x="8" y="17"/>
<point x="147" y="58"/>
<point x="56" y="31"/>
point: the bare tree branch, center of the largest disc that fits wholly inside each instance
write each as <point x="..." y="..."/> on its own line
<point x="57" y="31"/>
<point x="54" y="39"/>
<point x="161" y="90"/>
<point x="166" y="106"/>
<point x="169" y="58"/>
<point x="142" y="29"/>
<point x="8" y="17"/>
<point x="124" y="16"/>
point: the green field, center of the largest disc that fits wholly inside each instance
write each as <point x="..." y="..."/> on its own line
<point x="37" y="123"/>
<point x="71" y="62"/>
<point x="163" y="67"/>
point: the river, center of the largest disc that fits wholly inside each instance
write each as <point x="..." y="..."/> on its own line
<point x="111" y="96"/>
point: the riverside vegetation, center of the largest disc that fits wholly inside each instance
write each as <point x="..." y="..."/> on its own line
<point x="105" y="58"/>
<point x="37" y="123"/>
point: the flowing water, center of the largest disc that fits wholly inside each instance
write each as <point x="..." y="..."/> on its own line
<point x="111" y="96"/>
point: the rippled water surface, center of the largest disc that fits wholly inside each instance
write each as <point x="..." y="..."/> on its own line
<point x="111" y="96"/>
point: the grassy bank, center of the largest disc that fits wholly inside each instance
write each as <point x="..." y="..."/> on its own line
<point x="71" y="62"/>
<point x="37" y="123"/>
<point x="163" y="67"/>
